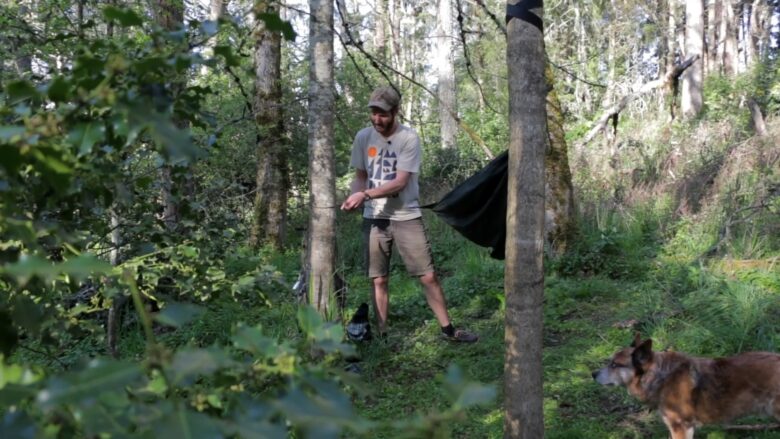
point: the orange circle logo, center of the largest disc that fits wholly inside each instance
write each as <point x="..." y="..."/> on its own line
<point x="372" y="151"/>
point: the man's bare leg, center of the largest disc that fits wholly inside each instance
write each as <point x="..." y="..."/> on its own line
<point x="435" y="297"/>
<point x="381" y="302"/>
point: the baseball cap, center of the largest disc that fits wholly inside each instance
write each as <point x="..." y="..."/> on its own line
<point x="385" y="98"/>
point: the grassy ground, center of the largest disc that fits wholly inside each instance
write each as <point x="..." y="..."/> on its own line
<point x="585" y="322"/>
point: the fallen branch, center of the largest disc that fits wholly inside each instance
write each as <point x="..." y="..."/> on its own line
<point x="613" y="111"/>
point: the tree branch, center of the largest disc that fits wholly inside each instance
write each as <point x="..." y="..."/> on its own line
<point x="614" y="111"/>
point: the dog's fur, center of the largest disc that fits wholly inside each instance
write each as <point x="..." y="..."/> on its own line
<point x="691" y="391"/>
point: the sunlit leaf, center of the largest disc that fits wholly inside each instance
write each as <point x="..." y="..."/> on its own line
<point x="275" y="23"/>
<point x="178" y="314"/>
<point x="125" y="17"/>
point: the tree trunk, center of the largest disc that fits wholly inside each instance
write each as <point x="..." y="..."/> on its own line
<point x="692" y="79"/>
<point x="114" y="319"/>
<point x="559" y="192"/>
<point x="169" y="14"/>
<point x="217" y="8"/>
<point x="270" y="209"/>
<point x="524" y="275"/>
<point x="322" y="222"/>
<point x="380" y="34"/>
<point x="729" y="37"/>
<point x="446" y="73"/>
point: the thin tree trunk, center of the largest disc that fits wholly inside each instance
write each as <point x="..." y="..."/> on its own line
<point x="446" y="75"/>
<point x="380" y="34"/>
<point x="692" y="79"/>
<point x="729" y="36"/>
<point x="270" y="207"/>
<point x="217" y="8"/>
<point x="114" y="320"/>
<point x="169" y="14"/>
<point x="322" y="223"/>
<point x="524" y="274"/>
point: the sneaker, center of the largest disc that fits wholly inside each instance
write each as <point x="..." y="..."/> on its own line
<point x="462" y="336"/>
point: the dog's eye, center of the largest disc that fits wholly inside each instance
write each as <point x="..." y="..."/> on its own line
<point x="614" y="365"/>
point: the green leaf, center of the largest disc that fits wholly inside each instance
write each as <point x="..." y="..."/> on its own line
<point x="466" y="393"/>
<point x="19" y="91"/>
<point x="85" y="136"/>
<point x="227" y="52"/>
<point x="10" y="133"/>
<point x="252" y="340"/>
<point x="14" y="394"/>
<point x="309" y="320"/>
<point x="58" y="89"/>
<point x="275" y="23"/>
<point x="189" y="364"/>
<point x="18" y="425"/>
<point x="99" y="376"/>
<point x="182" y="423"/>
<point x="125" y="17"/>
<point x="175" y="143"/>
<point x="29" y="266"/>
<point x="178" y="314"/>
<point x="84" y="265"/>
<point x="9" y="338"/>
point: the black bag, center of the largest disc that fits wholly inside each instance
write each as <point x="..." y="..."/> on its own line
<point x="477" y="207"/>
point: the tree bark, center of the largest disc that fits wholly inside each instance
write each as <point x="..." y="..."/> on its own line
<point x="692" y="79"/>
<point x="729" y="36"/>
<point x="380" y="29"/>
<point x="270" y="208"/>
<point x="322" y="222"/>
<point x="169" y="14"/>
<point x="446" y="75"/>
<point x="524" y="275"/>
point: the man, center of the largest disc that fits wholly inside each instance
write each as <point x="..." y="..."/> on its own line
<point x="386" y="158"/>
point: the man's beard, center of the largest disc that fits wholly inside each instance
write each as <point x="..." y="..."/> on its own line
<point x="381" y="128"/>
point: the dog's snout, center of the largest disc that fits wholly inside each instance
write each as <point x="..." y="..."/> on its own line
<point x="594" y="374"/>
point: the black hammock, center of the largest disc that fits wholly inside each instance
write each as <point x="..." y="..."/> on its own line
<point x="477" y="207"/>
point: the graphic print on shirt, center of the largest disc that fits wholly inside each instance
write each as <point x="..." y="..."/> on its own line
<point x="382" y="166"/>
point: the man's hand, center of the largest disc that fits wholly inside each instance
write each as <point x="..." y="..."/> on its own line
<point x="354" y="201"/>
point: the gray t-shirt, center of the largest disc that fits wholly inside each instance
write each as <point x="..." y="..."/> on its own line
<point x="381" y="157"/>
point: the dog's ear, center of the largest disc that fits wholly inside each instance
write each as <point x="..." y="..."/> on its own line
<point x="642" y="355"/>
<point x="637" y="339"/>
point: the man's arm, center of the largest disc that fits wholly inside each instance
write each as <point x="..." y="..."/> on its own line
<point x="360" y="193"/>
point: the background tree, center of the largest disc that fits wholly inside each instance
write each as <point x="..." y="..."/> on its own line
<point x="445" y="71"/>
<point x="692" y="79"/>
<point x="523" y="274"/>
<point x="270" y="204"/>
<point x="322" y="178"/>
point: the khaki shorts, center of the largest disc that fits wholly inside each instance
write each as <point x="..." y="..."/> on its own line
<point x="411" y="239"/>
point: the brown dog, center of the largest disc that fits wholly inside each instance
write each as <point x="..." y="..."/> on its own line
<point x="690" y="391"/>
